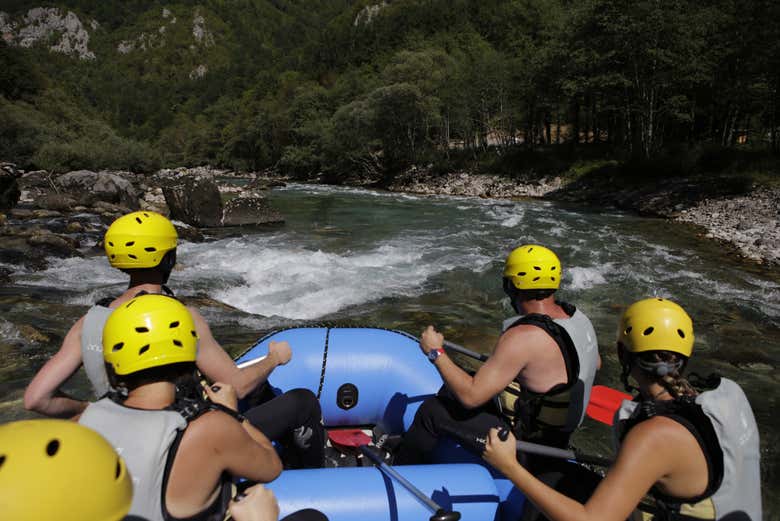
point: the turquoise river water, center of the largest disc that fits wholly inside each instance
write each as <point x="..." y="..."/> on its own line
<point x="360" y="257"/>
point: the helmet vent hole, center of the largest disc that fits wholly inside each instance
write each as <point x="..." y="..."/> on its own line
<point x="553" y="268"/>
<point x="52" y="447"/>
<point x="536" y="278"/>
<point x="537" y="268"/>
<point x="113" y="256"/>
<point x="143" y="350"/>
<point x="174" y="324"/>
<point x="138" y="220"/>
<point x="522" y="274"/>
<point x="177" y="343"/>
<point x="552" y="278"/>
<point x="647" y="331"/>
<point x="117" y="347"/>
<point x="132" y="256"/>
<point x="150" y="249"/>
<point x="2" y="460"/>
<point x="142" y="329"/>
<point x="681" y="333"/>
<point x="194" y="334"/>
<point x="129" y="243"/>
<point x="530" y="249"/>
<point x="629" y="329"/>
<point x="118" y="471"/>
<point x="110" y="243"/>
<point x="146" y="214"/>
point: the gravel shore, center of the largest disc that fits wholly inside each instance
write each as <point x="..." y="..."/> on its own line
<point x="750" y="222"/>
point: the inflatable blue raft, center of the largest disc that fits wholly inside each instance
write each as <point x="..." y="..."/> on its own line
<point x="366" y="377"/>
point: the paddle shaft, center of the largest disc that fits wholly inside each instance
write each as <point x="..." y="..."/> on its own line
<point x="468" y="352"/>
<point x="554" y="452"/>
<point x="439" y="513"/>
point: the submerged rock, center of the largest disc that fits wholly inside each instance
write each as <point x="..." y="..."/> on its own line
<point x="243" y="211"/>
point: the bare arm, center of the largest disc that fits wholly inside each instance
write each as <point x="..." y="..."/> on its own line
<point x="494" y="375"/>
<point x="213" y="444"/>
<point x="646" y="456"/>
<point x="43" y="395"/>
<point x="217" y="365"/>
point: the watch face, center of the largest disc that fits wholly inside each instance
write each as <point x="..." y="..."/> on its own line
<point x="433" y="355"/>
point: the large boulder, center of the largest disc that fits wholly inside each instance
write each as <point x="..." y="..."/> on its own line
<point x="90" y="187"/>
<point x="9" y="188"/>
<point x="243" y="211"/>
<point x="195" y="201"/>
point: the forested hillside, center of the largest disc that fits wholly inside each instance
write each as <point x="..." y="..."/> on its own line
<point x="344" y="86"/>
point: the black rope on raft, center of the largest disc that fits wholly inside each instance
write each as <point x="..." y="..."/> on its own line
<point x="324" y="364"/>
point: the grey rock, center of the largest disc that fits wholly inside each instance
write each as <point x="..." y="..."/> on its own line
<point x="90" y="187"/>
<point x="195" y="201"/>
<point x="57" y="245"/>
<point x="46" y="214"/>
<point x="55" y="201"/>
<point x="21" y="213"/>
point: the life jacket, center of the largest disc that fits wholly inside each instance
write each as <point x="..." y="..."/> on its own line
<point x="92" y="343"/>
<point x="552" y="416"/>
<point x="722" y="422"/>
<point x="148" y="441"/>
<point x="92" y="348"/>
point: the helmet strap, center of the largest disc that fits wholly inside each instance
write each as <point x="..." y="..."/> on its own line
<point x="512" y="292"/>
<point x="166" y="265"/>
<point x="626" y="361"/>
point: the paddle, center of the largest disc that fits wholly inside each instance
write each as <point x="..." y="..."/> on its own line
<point x="439" y="514"/>
<point x="357" y="439"/>
<point x="555" y="452"/>
<point x="604" y="401"/>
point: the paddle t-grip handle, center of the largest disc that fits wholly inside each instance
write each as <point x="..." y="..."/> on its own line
<point x="444" y="515"/>
<point x="503" y="433"/>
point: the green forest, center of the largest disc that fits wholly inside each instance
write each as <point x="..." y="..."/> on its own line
<point x="335" y="87"/>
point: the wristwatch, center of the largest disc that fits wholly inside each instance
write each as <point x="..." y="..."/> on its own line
<point x="433" y="354"/>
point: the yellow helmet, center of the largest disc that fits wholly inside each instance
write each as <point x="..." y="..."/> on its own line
<point x="656" y="324"/>
<point x="533" y="267"/>
<point x="57" y="470"/>
<point x="139" y="240"/>
<point x="149" y="331"/>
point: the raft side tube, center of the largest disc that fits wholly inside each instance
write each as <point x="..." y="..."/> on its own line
<point x="365" y="493"/>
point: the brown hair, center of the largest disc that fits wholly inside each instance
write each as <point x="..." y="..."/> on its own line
<point x="673" y="381"/>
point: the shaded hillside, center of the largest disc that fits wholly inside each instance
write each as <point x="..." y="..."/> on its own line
<point x="339" y="87"/>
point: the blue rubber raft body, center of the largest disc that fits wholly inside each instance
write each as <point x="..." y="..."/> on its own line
<point x="370" y="376"/>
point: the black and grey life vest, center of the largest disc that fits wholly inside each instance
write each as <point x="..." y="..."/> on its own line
<point x="722" y="422"/>
<point x="92" y="348"/>
<point x="553" y="415"/>
<point x="148" y="441"/>
<point x="143" y="438"/>
<point x="92" y="343"/>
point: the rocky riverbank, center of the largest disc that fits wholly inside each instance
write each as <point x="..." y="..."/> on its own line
<point x="66" y="215"/>
<point x="44" y="215"/>
<point x="745" y="217"/>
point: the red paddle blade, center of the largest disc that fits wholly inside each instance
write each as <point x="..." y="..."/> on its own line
<point x="604" y="402"/>
<point x="349" y="437"/>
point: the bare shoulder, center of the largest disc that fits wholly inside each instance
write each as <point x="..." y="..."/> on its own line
<point x="213" y="429"/>
<point x="659" y="435"/>
<point x="525" y="335"/>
